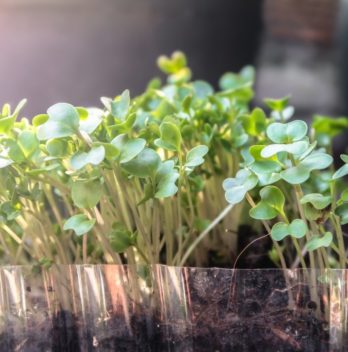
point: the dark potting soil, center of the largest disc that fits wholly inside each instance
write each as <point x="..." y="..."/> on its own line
<point x="249" y="312"/>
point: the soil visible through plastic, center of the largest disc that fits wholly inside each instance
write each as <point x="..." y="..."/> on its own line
<point x="253" y="315"/>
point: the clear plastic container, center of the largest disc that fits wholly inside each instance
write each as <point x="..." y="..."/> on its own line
<point x="161" y="308"/>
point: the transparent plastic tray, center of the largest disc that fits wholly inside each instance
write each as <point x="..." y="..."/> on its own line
<point x="160" y="308"/>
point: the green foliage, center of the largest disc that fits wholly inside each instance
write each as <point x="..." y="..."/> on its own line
<point x="80" y="224"/>
<point x="236" y="188"/>
<point x="86" y="194"/>
<point x="297" y="229"/>
<point x="57" y="147"/>
<point x="165" y="179"/>
<point x="315" y="205"/>
<point x="120" y="106"/>
<point x="90" y="119"/>
<point x="288" y="168"/>
<point x="324" y="125"/>
<point x="271" y="204"/>
<point x="293" y="148"/>
<point x="142" y="175"/>
<point x="317" y="200"/>
<point x="145" y="164"/>
<point x="170" y="137"/>
<point x="127" y="148"/>
<point x="301" y="172"/>
<point x="343" y="170"/>
<point x="255" y="123"/>
<point x="94" y="157"/>
<point x="5" y="160"/>
<point x="120" y="238"/>
<point x="244" y="78"/>
<point x="63" y="121"/>
<point x="317" y="242"/>
<point x="195" y="156"/>
<point x="287" y="132"/>
<point x="342" y="212"/>
<point x="175" y="67"/>
<point x="277" y="104"/>
<point x="8" y="119"/>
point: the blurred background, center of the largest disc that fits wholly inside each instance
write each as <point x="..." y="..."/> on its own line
<point x="79" y="50"/>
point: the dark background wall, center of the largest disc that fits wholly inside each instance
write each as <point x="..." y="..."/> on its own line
<point x="79" y="50"/>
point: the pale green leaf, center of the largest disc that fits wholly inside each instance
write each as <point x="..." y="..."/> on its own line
<point x="80" y="224"/>
<point x="317" y="242"/>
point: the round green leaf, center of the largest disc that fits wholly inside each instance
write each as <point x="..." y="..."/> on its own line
<point x="344" y="196"/>
<point x="95" y="156"/>
<point x="170" y="137"/>
<point x="173" y="64"/>
<point x="120" y="238"/>
<point x="128" y="148"/>
<point x="195" y="156"/>
<point x="311" y="213"/>
<point x="235" y="195"/>
<point x="57" y="147"/>
<point x="120" y="106"/>
<point x="165" y="179"/>
<point x="63" y="121"/>
<point x="111" y="152"/>
<point x="279" y="231"/>
<point x="317" y="242"/>
<point x="255" y="123"/>
<point x="80" y="224"/>
<point x="15" y="152"/>
<point x="145" y="164"/>
<point x="263" y="212"/>
<point x="301" y="173"/>
<point x="6" y="124"/>
<point x="342" y="212"/>
<point x="86" y="194"/>
<point x="344" y="157"/>
<point x="236" y="188"/>
<point x="341" y="172"/>
<point x="297" y="229"/>
<point x="294" y="148"/>
<point x="264" y="168"/>
<point x="287" y="132"/>
<point x="202" y="89"/>
<point x="90" y="120"/>
<point x="277" y="104"/>
<point x="234" y="81"/>
<point x="39" y="119"/>
<point x="28" y="143"/>
<point x="271" y="204"/>
<point x="167" y="187"/>
<point x="131" y="149"/>
<point x="284" y="115"/>
<point x="317" y="200"/>
<point x="267" y="178"/>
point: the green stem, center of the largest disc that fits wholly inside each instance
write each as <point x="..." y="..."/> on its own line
<point x="203" y="234"/>
<point x="180" y="227"/>
<point x="299" y="252"/>
<point x="339" y="234"/>
<point x="296" y="244"/>
<point x="299" y="195"/>
<point x="268" y="229"/>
